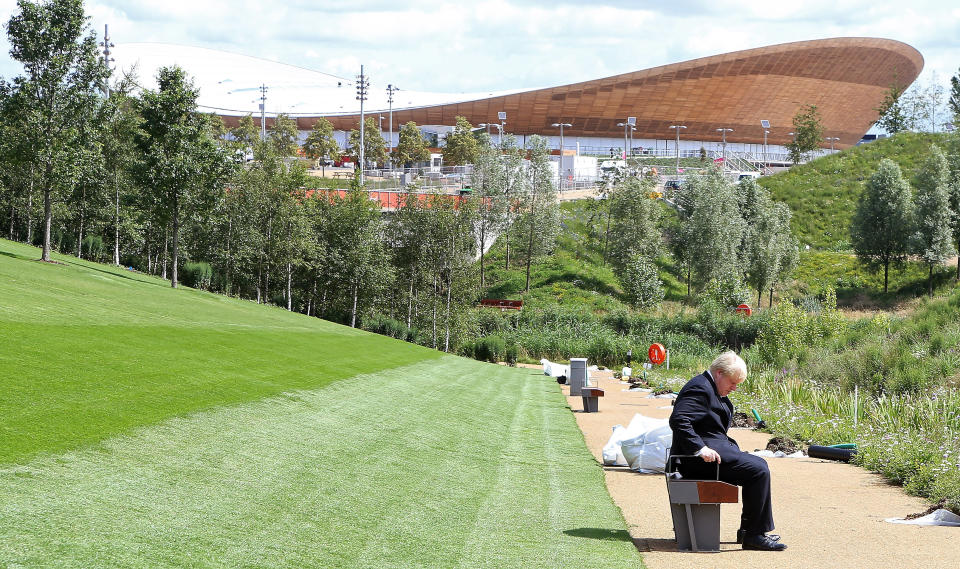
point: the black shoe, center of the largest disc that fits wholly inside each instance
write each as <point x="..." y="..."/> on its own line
<point x="762" y="542"/>
<point x="741" y="533"/>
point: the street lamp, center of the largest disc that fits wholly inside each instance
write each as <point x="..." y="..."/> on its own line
<point x="560" y="163"/>
<point x="723" y="132"/>
<point x="502" y="115"/>
<point x="678" y="127"/>
<point x="488" y="125"/>
<point x="832" y="139"/>
<point x="627" y="125"/>
<point x="765" y="133"/>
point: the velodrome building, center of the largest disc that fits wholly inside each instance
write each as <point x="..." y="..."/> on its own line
<point x="713" y="97"/>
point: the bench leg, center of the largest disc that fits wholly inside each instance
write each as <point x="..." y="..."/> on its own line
<point x="693" y="532"/>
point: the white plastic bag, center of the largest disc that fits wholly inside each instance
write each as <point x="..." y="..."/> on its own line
<point x="937" y="518"/>
<point x="612" y="455"/>
<point x="646" y="451"/>
<point x="554" y="369"/>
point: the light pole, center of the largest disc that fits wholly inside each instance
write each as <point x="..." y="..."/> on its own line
<point x="488" y="125"/>
<point x="502" y="115"/>
<point x="765" y="125"/>
<point x="263" y="111"/>
<point x="627" y="125"/>
<point x="391" y="89"/>
<point x="723" y="156"/>
<point x="832" y="139"/>
<point x="560" y="163"/>
<point x="678" y="127"/>
<point x="765" y="133"/>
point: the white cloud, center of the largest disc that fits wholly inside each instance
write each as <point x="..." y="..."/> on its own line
<point x="504" y="44"/>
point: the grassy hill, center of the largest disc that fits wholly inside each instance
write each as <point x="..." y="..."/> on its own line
<point x="147" y="427"/>
<point x="823" y="193"/>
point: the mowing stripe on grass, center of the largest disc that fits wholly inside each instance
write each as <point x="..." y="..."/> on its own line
<point x="89" y="351"/>
<point x="449" y="463"/>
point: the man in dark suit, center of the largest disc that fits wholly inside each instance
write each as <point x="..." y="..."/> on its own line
<point x="702" y="413"/>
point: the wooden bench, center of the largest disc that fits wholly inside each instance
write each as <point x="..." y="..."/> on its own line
<point x="695" y="507"/>
<point x="590" y="402"/>
<point x="501" y="303"/>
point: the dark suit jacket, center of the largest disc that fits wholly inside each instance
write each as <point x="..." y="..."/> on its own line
<point x="701" y="418"/>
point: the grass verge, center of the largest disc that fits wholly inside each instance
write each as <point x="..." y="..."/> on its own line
<point x="448" y="463"/>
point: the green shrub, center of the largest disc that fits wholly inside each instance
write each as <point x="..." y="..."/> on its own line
<point x="92" y="247"/>
<point x="385" y="326"/>
<point x="641" y="283"/>
<point x="197" y="275"/>
<point x="489" y="349"/>
<point x="726" y="293"/>
<point x="511" y="354"/>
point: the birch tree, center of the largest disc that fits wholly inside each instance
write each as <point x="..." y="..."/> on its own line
<point x="62" y="77"/>
<point x="883" y="222"/>
<point x="181" y="164"/>
<point x="933" y="239"/>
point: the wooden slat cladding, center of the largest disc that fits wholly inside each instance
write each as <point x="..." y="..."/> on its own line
<point x="845" y="77"/>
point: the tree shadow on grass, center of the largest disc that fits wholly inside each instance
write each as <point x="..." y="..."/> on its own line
<point x="15" y="256"/>
<point x="136" y="277"/>
<point x="600" y="533"/>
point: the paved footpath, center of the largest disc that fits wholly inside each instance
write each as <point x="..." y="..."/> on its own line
<point x="830" y="514"/>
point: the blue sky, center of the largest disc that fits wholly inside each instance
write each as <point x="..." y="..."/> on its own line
<point x="507" y="44"/>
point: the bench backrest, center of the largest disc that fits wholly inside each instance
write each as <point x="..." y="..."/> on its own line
<point x="501" y="303"/>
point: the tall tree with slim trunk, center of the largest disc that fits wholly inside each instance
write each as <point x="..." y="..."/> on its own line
<point x="283" y="136"/>
<point x="120" y="127"/>
<point x="769" y="251"/>
<point x="320" y="143"/>
<point x="374" y="146"/>
<point x="411" y="147"/>
<point x="541" y="218"/>
<point x="635" y="223"/>
<point x="489" y="183"/>
<point x="180" y="162"/>
<point x="883" y="222"/>
<point x="891" y="115"/>
<point x="61" y="82"/>
<point x="713" y="231"/>
<point x="808" y="132"/>
<point x="933" y="240"/>
<point x="953" y="160"/>
<point x="954" y="101"/>
<point x="461" y="146"/>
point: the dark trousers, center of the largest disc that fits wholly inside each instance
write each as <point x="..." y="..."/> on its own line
<point x="747" y="471"/>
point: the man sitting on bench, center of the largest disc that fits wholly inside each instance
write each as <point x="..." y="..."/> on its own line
<point x="702" y="413"/>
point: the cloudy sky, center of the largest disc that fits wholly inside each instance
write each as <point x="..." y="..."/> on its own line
<point x="488" y="45"/>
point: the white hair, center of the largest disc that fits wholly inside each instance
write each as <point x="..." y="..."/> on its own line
<point x="729" y="364"/>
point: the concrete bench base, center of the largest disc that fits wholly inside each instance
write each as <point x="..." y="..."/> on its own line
<point x="695" y="508"/>
<point x="590" y="402"/>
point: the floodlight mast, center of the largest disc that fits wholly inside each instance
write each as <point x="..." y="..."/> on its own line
<point x="391" y="89"/>
<point x="363" y="84"/>
<point x="263" y="111"/>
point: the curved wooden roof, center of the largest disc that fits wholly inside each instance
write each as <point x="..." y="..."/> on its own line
<point x="845" y="77"/>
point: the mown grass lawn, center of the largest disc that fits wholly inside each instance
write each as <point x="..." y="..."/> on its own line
<point x="146" y="427"/>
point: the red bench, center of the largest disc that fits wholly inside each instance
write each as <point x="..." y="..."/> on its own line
<point x="502" y="304"/>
